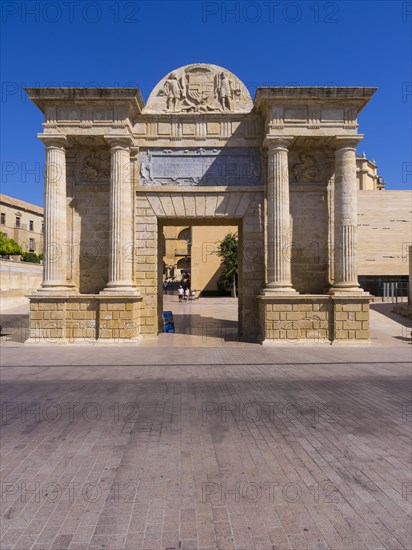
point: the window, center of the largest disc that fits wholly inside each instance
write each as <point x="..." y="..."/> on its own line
<point x="31" y="245"/>
<point x="31" y="225"/>
<point x="3" y="218"/>
<point x="18" y="220"/>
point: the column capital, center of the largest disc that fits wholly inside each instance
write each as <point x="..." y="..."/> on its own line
<point x="277" y="142"/>
<point x="123" y="141"/>
<point x="134" y="151"/>
<point x="53" y="139"/>
<point x="347" y="142"/>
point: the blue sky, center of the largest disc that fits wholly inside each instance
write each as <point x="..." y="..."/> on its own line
<point x="111" y="43"/>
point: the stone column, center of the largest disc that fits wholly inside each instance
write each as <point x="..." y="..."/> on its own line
<point x="278" y="218"/>
<point x="55" y="217"/>
<point x="346" y="218"/>
<point x="121" y="218"/>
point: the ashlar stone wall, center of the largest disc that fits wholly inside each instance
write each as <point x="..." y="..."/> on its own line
<point x="316" y="318"/>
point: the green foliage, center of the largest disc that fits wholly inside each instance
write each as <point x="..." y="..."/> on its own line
<point x="8" y="247"/>
<point x="32" y="257"/>
<point x="228" y="253"/>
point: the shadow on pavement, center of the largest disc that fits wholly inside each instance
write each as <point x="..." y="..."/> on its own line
<point x="14" y="327"/>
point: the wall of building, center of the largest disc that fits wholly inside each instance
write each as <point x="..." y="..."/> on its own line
<point x="205" y="263"/>
<point x="384" y="232"/>
<point x="10" y="209"/>
<point x="176" y="250"/>
<point x="367" y="175"/>
<point x="309" y="250"/>
<point x="201" y="260"/>
<point x="17" y="280"/>
<point x="89" y="217"/>
<point x="410" y="276"/>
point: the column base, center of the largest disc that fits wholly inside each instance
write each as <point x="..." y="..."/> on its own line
<point x="278" y="291"/>
<point x="120" y="289"/>
<point x="58" y="288"/>
<point x="345" y="290"/>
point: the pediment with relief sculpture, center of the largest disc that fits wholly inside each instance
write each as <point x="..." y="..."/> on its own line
<point x="199" y="88"/>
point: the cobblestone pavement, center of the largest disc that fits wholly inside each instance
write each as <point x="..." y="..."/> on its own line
<point x="227" y="447"/>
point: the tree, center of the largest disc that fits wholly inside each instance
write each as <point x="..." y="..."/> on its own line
<point x="228" y="253"/>
<point x="32" y="257"/>
<point x="8" y="247"/>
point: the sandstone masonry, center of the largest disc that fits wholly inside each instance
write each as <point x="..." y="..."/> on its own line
<point x="282" y="168"/>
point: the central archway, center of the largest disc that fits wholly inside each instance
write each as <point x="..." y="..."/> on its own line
<point x="243" y="209"/>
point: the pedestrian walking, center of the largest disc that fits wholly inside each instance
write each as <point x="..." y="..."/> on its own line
<point x="180" y="292"/>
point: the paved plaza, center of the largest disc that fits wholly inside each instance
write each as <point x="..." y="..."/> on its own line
<point x="201" y="441"/>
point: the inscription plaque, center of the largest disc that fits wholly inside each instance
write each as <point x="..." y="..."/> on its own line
<point x="199" y="167"/>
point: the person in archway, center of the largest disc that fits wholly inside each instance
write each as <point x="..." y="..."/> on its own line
<point x="187" y="293"/>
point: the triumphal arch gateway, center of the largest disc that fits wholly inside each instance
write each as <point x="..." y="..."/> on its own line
<point x="281" y="167"/>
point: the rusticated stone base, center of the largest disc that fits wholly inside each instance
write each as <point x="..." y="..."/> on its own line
<point x="314" y="318"/>
<point x="84" y="318"/>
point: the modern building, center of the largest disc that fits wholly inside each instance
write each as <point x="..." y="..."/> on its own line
<point x="384" y="237"/>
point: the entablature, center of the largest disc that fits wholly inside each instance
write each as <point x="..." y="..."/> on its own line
<point x="211" y="130"/>
<point x="74" y="110"/>
<point x="322" y="111"/>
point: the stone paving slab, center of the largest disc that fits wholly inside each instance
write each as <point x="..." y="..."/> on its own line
<point x="207" y="447"/>
<point x="201" y="448"/>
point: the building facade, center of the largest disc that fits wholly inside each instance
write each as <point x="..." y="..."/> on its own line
<point x="384" y="237"/>
<point x="22" y="222"/>
<point x="282" y="168"/>
<point x="193" y="250"/>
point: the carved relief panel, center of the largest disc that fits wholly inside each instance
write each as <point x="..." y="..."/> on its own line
<point x="307" y="166"/>
<point x="93" y="166"/>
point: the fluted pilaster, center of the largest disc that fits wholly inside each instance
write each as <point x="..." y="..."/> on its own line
<point x="121" y="217"/>
<point x="345" y="222"/>
<point x="278" y="218"/>
<point x="55" y="222"/>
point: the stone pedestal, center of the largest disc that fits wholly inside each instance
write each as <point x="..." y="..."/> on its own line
<point x="309" y="318"/>
<point x="85" y="319"/>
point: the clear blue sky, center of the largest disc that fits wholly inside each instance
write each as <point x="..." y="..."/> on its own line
<point x="113" y="43"/>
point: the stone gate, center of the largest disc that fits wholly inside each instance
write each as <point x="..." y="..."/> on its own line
<point x="281" y="167"/>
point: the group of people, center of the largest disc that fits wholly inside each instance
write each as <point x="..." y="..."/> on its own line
<point x="183" y="291"/>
